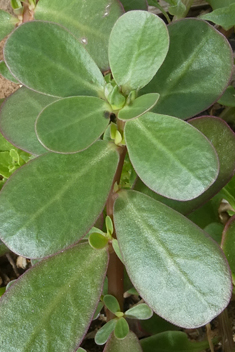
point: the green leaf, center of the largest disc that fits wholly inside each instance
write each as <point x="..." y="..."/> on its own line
<point x="7" y="23"/>
<point x="3" y="249"/>
<point x="228" y="244"/>
<point x="228" y="98"/>
<point x="103" y="334"/>
<point x="177" y="8"/>
<point x="58" y="297"/>
<point x="165" y="254"/>
<point x="6" y="73"/>
<point x="215" y="230"/>
<point x="117" y="249"/>
<point x="217" y="131"/>
<point x="169" y="341"/>
<point x="215" y="4"/>
<point x="98" y="241"/>
<point x="121" y="329"/>
<point x="129" y="344"/>
<point x="2" y="290"/>
<point x="196" y="71"/>
<point x="111" y="303"/>
<point x="17" y="119"/>
<point x="140" y="311"/>
<point x="40" y="196"/>
<point x="156" y="324"/>
<point x="64" y="68"/>
<point x="181" y="166"/>
<point x="109" y="225"/>
<point x="72" y="124"/>
<point x="139" y="106"/>
<point x="98" y="309"/>
<point x="130" y="5"/>
<point x="91" y="22"/>
<point x="224" y="17"/>
<point x="81" y="350"/>
<point x="138" y="43"/>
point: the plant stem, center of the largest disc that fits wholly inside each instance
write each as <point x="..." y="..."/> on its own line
<point x="116" y="268"/>
<point x="226" y="332"/>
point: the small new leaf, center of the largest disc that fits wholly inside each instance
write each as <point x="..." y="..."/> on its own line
<point x="141" y="311"/>
<point x="103" y="334"/>
<point x="111" y="303"/>
<point x="121" y="329"/>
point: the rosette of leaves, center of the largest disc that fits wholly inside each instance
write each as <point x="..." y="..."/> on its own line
<point x="62" y="115"/>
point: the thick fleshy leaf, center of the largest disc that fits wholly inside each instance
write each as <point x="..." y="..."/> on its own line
<point x="228" y="98"/>
<point x="181" y="166"/>
<point x="6" y="73"/>
<point x="129" y="344"/>
<point x="156" y="324"/>
<point x="17" y="119"/>
<point x="58" y="297"/>
<point x="64" y="67"/>
<point x="139" y="106"/>
<point x="7" y="23"/>
<point x="121" y="329"/>
<point x="140" y="311"/>
<point x="196" y="71"/>
<point x="98" y="241"/>
<point x="165" y="254"/>
<point x="217" y="131"/>
<point x="103" y="334"/>
<point x="138" y="43"/>
<point x="111" y="303"/>
<point x="72" y="124"/>
<point x="170" y="341"/>
<point x="224" y="17"/>
<point x="228" y="244"/>
<point x="36" y="201"/>
<point x="130" y="5"/>
<point x="90" y="21"/>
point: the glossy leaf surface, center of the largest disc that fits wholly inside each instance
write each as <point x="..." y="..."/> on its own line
<point x="140" y="311"/>
<point x="64" y="68"/>
<point x="130" y="344"/>
<point x="180" y="166"/>
<point x="17" y="119"/>
<point x="72" y="124"/>
<point x="217" y="131"/>
<point x="156" y="243"/>
<point x="55" y="315"/>
<point x="170" y="341"/>
<point x="103" y="333"/>
<point x="40" y="196"/>
<point x="228" y="244"/>
<point x="7" y="23"/>
<point x="121" y="329"/>
<point x="6" y="73"/>
<point x="138" y="43"/>
<point x="90" y="21"/>
<point x="139" y="106"/>
<point x="224" y="17"/>
<point x="197" y="69"/>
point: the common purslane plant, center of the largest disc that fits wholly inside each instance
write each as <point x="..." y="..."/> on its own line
<point x="116" y="170"/>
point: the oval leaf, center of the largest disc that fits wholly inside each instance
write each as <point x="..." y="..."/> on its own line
<point x="64" y="68"/>
<point x="140" y="311"/>
<point x="224" y="17"/>
<point x="196" y="71"/>
<point x="90" y="22"/>
<point x="7" y="23"/>
<point x="41" y="194"/>
<point x="217" y="131"/>
<point x="103" y="334"/>
<point x="170" y="341"/>
<point x="121" y="329"/>
<point x="139" y="106"/>
<point x="111" y="303"/>
<point x="138" y="43"/>
<point x="17" y="119"/>
<point x="165" y="254"/>
<point x="97" y="240"/>
<point x="181" y="166"/>
<point x="228" y="244"/>
<point x="57" y="299"/>
<point x="129" y="344"/>
<point x="72" y="124"/>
